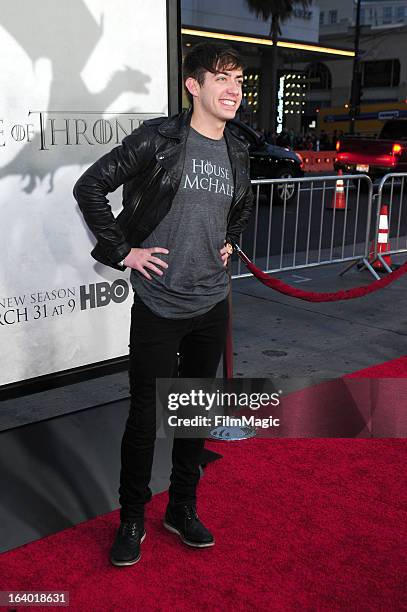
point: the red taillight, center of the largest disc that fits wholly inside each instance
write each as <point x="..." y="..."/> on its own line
<point x="396" y="149"/>
<point x="301" y="160"/>
<point x="338" y="145"/>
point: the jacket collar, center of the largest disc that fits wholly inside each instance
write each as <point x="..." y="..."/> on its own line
<point x="176" y="126"/>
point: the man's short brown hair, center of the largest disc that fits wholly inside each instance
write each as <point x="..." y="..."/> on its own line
<point x="209" y="57"/>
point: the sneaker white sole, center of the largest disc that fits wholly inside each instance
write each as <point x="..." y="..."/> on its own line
<point x="187" y="542"/>
<point x="126" y="563"/>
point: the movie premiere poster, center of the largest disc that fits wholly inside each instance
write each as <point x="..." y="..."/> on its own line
<point x="76" y="77"/>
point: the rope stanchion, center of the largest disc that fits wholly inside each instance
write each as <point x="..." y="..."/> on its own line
<point x="313" y="296"/>
<point x="230" y="432"/>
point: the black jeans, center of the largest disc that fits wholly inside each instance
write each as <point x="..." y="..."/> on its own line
<point x="154" y="343"/>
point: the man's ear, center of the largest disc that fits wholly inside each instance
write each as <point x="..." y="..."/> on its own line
<point x="193" y="86"/>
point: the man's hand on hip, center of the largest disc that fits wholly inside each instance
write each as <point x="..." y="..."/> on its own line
<point x="140" y="259"/>
<point x="225" y="253"/>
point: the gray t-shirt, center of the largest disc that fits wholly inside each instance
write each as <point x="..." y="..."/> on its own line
<point x="194" y="232"/>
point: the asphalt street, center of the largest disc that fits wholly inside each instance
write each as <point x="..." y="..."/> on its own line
<point x="307" y="224"/>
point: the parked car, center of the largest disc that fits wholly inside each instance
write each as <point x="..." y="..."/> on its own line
<point x="268" y="161"/>
<point x="375" y="156"/>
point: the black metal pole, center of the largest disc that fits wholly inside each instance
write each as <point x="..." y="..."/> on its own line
<point x="356" y="75"/>
<point x="228" y="352"/>
<point x="174" y="56"/>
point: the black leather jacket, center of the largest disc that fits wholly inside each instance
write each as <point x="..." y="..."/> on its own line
<point x="149" y="165"/>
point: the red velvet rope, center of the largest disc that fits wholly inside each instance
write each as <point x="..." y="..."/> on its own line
<point x="312" y="296"/>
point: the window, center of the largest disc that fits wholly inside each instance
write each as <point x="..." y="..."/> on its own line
<point x="381" y="73"/>
<point x="400" y="13"/>
<point x="362" y="16"/>
<point x="387" y="14"/>
<point x="333" y="16"/>
<point x="321" y="18"/>
<point x="319" y="76"/>
<point x="373" y="17"/>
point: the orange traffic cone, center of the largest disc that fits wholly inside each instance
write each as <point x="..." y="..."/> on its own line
<point x="383" y="245"/>
<point x="339" y="198"/>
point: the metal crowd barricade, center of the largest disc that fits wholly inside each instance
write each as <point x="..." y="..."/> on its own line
<point x="392" y="191"/>
<point x="296" y="224"/>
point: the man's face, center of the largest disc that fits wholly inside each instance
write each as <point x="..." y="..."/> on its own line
<point x="220" y="94"/>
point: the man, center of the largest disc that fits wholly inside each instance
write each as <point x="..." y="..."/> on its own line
<point x="186" y="194"/>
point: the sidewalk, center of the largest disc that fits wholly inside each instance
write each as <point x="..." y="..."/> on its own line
<point x="278" y="335"/>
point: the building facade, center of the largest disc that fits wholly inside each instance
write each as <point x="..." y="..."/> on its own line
<point x="234" y="16"/>
<point x="334" y="16"/>
<point x="383" y="59"/>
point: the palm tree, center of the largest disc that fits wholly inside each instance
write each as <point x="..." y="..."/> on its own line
<point x="277" y="11"/>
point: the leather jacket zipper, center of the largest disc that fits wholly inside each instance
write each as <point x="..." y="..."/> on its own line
<point x="232" y="208"/>
<point x="143" y="190"/>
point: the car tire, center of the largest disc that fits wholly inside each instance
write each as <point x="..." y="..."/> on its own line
<point x="286" y="191"/>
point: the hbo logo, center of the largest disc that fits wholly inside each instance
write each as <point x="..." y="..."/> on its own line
<point x="101" y="294"/>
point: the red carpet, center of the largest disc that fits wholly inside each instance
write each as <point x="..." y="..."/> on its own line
<point x="300" y="525"/>
<point x="397" y="368"/>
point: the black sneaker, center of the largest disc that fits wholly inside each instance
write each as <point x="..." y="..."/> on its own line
<point x="184" y="521"/>
<point x="126" y="547"/>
